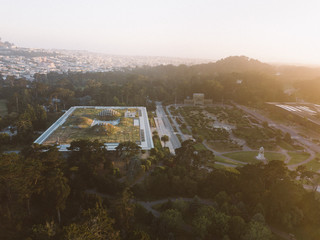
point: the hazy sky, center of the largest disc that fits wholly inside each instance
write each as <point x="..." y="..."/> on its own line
<point x="269" y="30"/>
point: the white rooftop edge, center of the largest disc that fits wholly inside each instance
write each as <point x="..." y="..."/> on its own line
<point x="147" y="144"/>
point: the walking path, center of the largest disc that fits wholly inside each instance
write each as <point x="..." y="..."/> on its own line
<point x="148" y="205"/>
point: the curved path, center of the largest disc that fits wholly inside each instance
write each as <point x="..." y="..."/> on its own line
<point x="148" y="205"/>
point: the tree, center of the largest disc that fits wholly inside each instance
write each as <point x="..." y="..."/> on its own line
<point x="186" y="154"/>
<point x="237" y="227"/>
<point x="89" y="156"/>
<point x="287" y="138"/>
<point x="25" y="130"/>
<point x="10" y="184"/>
<point x="44" y="231"/>
<point x="59" y="190"/>
<point x="44" y="168"/>
<point x="97" y="225"/>
<point x="124" y="210"/>
<point x="171" y="220"/>
<point x="140" y="235"/>
<point x="201" y="225"/>
<point x="127" y="150"/>
<point x="164" y="139"/>
<point x="257" y="231"/>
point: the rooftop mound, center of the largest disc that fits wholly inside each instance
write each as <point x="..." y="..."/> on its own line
<point x="83" y="122"/>
<point x="105" y="128"/>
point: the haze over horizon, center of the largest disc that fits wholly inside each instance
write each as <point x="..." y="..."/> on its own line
<point x="271" y="31"/>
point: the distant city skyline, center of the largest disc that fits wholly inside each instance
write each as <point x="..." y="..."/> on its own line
<point x="279" y="31"/>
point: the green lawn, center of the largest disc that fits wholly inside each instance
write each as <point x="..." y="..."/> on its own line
<point x="314" y="164"/>
<point x="274" y="156"/>
<point x="3" y="107"/>
<point x="286" y="146"/>
<point x="200" y="147"/>
<point x="297" y="157"/>
<point x="223" y="146"/>
<point x="224" y="160"/>
<point x="244" y="156"/>
<point x="250" y="156"/>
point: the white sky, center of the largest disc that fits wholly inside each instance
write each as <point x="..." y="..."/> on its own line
<point x="269" y="30"/>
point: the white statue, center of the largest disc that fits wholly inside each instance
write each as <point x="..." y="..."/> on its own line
<point x="261" y="154"/>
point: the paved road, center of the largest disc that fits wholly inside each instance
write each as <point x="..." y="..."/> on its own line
<point x="164" y="128"/>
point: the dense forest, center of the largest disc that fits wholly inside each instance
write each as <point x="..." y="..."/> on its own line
<point x="45" y="194"/>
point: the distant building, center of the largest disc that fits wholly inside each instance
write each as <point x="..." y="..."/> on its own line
<point x="198" y="99"/>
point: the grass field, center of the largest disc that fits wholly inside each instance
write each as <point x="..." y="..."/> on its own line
<point x="286" y="146"/>
<point x="3" y="107"/>
<point x="244" y="156"/>
<point x="314" y="164"/>
<point x="274" y="156"/>
<point x="200" y="147"/>
<point x="250" y="156"/>
<point x="224" y="160"/>
<point x="223" y="146"/>
<point x="297" y="157"/>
